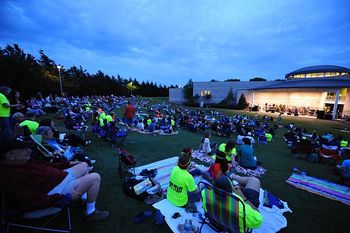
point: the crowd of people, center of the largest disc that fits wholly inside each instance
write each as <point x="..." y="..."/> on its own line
<point x="39" y="182"/>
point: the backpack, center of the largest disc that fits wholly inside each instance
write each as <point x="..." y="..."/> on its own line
<point x="129" y="190"/>
<point x="126" y="157"/>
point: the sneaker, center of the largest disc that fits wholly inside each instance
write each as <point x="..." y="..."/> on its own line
<point x="90" y="168"/>
<point x="92" y="161"/>
<point x="87" y="143"/>
<point x="97" y="215"/>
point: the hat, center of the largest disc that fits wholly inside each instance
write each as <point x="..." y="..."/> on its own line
<point x="13" y="144"/>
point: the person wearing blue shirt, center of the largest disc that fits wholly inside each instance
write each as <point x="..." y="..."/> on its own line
<point x="247" y="158"/>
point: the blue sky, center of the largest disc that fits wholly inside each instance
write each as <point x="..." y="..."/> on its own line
<point x="169" y="42"/>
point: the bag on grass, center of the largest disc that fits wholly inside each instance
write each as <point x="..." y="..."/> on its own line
<point x="271" y="200"/>
<point x="136" y="187"/>
<point x="126" y="157"/>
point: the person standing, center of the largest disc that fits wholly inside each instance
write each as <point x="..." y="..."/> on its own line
<point x="129" y="113"/>
<point x="5" y="108"/>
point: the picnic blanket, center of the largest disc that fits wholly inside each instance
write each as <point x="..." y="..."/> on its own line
<point x="321" y="187"/>
<point x="164" y="168"/>
<point x="273" y="217"/>
<point x="258" y="172"/>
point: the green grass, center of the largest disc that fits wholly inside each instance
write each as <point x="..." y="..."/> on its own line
<point x="311" y="213"/>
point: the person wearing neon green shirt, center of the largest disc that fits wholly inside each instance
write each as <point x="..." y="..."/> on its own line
<point x="229" y="149"/>
<point x="6" y="132"/>
<point x="249" y="195"/>
<point x="181" y="184"/>
<point x="101" y="119"/>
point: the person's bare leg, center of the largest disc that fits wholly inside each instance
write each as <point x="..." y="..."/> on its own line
<point x="247" y="182"/>
<point x="89" y="183"/>
<point x="80" y="170"/>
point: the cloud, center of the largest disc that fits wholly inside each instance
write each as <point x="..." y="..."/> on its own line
<point x="170" y="42"/>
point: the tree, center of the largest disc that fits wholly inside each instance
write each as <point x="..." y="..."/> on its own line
<point x="20" y="71"/>
<point x="242" y="103"/>
<point x="232" y="80"/>
<point x="214" y="80"/>
<point x="257" y="79"/>
<point x="188" y="90"/>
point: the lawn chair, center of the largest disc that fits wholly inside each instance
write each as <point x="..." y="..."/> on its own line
<point x="221" y="210"/>
<point x="329" y="153"/>
<point x="37" y="139"/>
<point x="304" y="149"/>
<point x="126" y="163"/>
<point x="262" y="139"/>
<point x="37" y="220"/>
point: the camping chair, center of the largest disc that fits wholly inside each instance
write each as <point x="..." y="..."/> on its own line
<point x="304" y="149"/>
<point x="33" y="220"/>
<point x="262" y="139"/>
<point x="126" y="163"/>
<point x="221" y="210"/>
<point x="329" y="153"/>
<point x="37" y="139"/>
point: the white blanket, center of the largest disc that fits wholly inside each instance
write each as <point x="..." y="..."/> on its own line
<point x="273" y="217"/>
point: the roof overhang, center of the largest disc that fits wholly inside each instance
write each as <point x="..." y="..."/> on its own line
<point x="308" y="83"/>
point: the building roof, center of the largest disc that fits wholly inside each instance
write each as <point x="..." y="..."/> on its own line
<point x="307" y="83"/>
<point x="318" y="69"/>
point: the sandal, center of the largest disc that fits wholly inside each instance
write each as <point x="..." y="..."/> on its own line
<point x="97" y="215"/>
<point x="151" y="199"/>
<point x="142" y="216"/>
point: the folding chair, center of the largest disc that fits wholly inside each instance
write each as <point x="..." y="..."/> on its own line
<point x="11" y="219"/>
<point x="221" y="210"/>
<point x="126" y="163"/>
<point x="37" y="139"/>
<point x="329" y="153"/>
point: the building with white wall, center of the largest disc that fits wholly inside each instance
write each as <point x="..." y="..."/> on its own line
<point x="316" y="87"/>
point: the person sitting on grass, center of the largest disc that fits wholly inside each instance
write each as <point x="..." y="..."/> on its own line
<point x="247" y="158"/>
<point x="182" y="190"/>
<point x="30" y="122"/>
<point x="344" y="169"/>
<point x="205" y="144"/>
<point x="219" y="168"/>
<point x="249" y="195"/>
<point x="37" y="184"/>
<point x="230" y="151"/>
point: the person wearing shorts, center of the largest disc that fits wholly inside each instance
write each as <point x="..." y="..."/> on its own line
<point x="31" y="184"/>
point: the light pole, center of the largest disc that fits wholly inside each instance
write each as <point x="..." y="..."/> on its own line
<point x="130" y="89"/>
<point x="59" y="74"/>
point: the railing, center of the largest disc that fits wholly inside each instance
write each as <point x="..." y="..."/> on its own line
<point x="332" y="98"/>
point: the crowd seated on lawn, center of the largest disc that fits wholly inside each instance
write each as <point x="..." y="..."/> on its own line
<point x="37" y="184"/>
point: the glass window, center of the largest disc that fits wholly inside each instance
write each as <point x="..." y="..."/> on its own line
<point x="205" y="92"/>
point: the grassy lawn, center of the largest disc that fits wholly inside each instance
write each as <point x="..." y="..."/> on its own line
<point x="311" y="213"/>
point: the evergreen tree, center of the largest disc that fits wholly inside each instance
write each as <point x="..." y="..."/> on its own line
<point x="188" y="90"/>
<point x="242" y="103"/>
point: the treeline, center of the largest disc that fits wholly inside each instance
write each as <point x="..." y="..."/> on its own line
<point x="28" y="75"/>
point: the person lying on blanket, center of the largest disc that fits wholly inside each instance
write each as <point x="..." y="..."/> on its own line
<point x="182" y="189"/>
<point x="249" y="195"/>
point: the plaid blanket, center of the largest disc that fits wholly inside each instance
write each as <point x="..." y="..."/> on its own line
<point x="258" y="172"/>
<point x="164" y="168"/>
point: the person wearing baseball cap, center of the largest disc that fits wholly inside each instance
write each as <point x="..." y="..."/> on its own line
<point x="31" y="184"/>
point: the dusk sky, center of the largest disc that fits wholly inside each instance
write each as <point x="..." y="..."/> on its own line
<point x="169" y="42"/>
